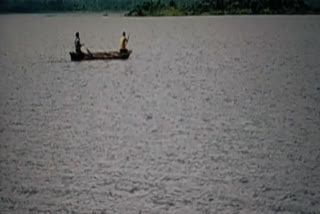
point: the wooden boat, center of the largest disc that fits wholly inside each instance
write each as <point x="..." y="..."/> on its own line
<point x="99" y="55"/>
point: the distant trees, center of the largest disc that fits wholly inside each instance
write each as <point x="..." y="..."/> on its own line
<point x="149" y="7"/>
<point x="198" y="7"/>
<point x="63" y="5"/>
<point x="256" y="6"/>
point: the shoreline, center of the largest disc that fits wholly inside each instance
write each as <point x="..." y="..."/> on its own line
<point x="176" y="13"/>
<point x="230" y="14"/>
<point x="124" y="14"/>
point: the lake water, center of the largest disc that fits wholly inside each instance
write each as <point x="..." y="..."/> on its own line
<point x="208" y="115"/>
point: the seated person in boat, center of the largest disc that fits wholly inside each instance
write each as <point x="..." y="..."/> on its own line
<point x="78" y="44"/>
<point x="123" y="43"/>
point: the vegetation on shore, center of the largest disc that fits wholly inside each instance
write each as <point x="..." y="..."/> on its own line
<point x="165" y="7"/>
<point x="35" y="6"/>
<point x="221" y="7"/>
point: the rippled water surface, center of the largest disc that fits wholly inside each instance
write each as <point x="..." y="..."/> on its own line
<point x="208" y="115"/>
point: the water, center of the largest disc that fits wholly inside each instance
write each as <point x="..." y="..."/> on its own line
<point x="208" y="115"/>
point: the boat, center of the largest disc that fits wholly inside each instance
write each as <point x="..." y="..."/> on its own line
<point x="99" y="55"/>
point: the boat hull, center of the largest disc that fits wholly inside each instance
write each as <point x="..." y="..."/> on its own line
<point x="100" y="56"/>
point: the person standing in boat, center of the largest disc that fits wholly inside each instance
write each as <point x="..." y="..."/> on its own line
<point x="78" y="44"/>
<point x="123" y="43"/>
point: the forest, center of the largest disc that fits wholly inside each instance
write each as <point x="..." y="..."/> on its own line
<point x="165" y="7"/>
<point x="31" y="6"/>
<point x="223" y="7"/>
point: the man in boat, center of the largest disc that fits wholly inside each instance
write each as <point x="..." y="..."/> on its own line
<point x="123" y="43"/>
<point x="78" y="44"/>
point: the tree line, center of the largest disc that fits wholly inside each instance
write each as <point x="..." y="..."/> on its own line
<point x="220" y="7"/>
<point x="164" y="7"/>
<point x="63" y="5"/>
